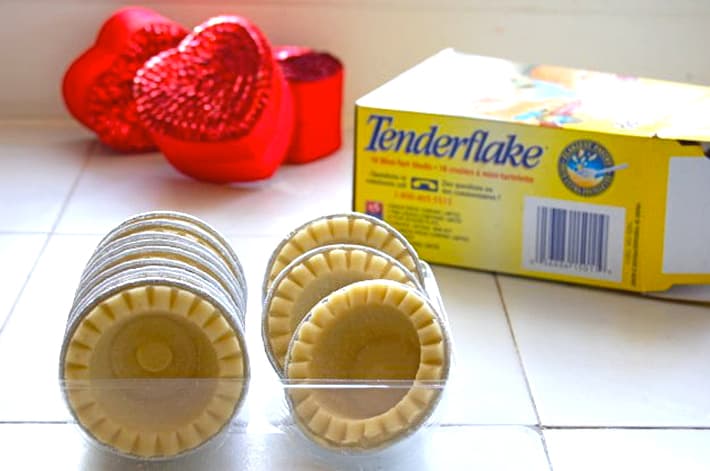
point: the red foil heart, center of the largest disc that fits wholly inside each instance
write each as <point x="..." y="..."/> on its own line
<point x="316" y="83"/>
<point x="217" y="105"/>
<point x="98" y="86"/>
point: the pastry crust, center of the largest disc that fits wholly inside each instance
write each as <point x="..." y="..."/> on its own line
<point x="352" y="228"/>
<point x="374" y="331"/>
<point x="182" y="224"/>
<point x="152" y="244"/>
<point x="154" y="371"/>
<point x="313" y="276"/>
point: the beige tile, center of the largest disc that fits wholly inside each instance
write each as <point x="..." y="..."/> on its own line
<point x="40" y="163"/>
<point x="597" y="357"/>
<point x="61" y="446"/>
<point x="623" y="450"/>
<point x="19" y="253"/>
<point x="115" y="187"/>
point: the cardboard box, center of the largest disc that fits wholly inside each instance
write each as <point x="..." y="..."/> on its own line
<point x="541" y="171"/>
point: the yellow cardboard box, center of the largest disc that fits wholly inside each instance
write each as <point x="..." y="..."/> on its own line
<point x="541" y="171"/>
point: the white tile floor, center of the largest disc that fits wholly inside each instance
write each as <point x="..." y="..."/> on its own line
<point x="598" y="358"/>
<point x="19" y="251"/>
<point x="547" y="376"/>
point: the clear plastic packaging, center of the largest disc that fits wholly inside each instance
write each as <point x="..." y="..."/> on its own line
<point x="267" y="414"/>
<point x="262" y="432"/>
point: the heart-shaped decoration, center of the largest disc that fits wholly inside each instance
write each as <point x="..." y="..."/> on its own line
<point x="217" y="105"/>
<point x="316" y="83"/>
<point x="98" y="86"/>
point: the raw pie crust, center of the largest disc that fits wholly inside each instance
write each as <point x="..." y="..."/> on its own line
<point x="371" y="330"/>
<point x="346" y="229"/>
<point x="311" y="278"/>
<point x="181" y="224"/>
<point x="154" y="371"/>
<point x="179" y="248"/>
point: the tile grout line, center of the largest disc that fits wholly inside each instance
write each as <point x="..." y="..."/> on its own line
<point x="627" y="427"/>
<point x="89" y="151"/>
<point x="37" y="422"/>
<point x="24" y="284"/>
<point x="640" y="428"/>
<point x="22" y="233"/>
<point x="522" y="368"/>
<point x="91" y="148"/>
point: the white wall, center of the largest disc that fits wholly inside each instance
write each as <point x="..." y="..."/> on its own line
<point x="378" y="38"/>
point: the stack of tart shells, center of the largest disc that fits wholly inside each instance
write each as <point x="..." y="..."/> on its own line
<point x="344" y="304"/>
<point x="154" y="361"/>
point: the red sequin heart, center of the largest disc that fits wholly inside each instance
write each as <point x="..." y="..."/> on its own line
<point x="217" y="105"/>
<point x="98" y="86"/>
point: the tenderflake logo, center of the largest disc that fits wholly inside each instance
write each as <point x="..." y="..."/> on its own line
<point x="475" y="147"/>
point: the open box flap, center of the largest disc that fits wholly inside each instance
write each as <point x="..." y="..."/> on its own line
<point x="489" y="88"/>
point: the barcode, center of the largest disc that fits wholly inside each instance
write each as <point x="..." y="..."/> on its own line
<point x="573" y="238"/>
